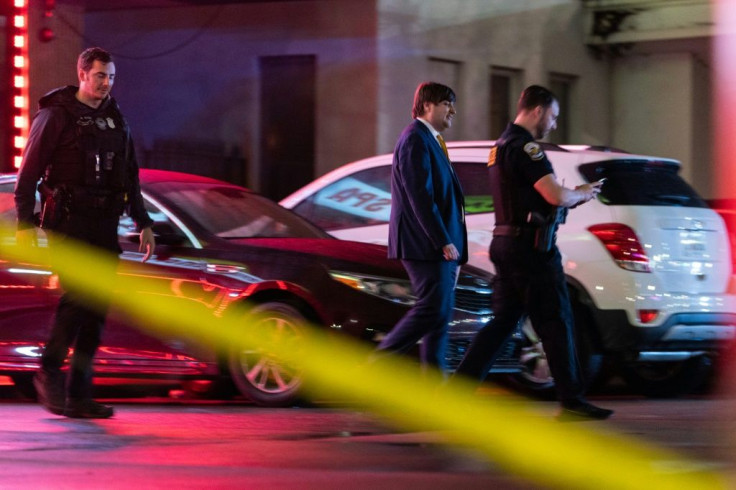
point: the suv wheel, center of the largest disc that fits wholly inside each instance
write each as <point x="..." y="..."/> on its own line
<point x="258" y="372"/>
<point x="667" y="379"/>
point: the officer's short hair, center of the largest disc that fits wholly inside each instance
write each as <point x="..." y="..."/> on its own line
<point x="88" y="57"/>
<point x="430" y="92"/>
<point x="533" y="96"/>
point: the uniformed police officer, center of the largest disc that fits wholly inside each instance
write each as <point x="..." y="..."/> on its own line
<point x="529" y="206"/>
<point x="80" y="149"/>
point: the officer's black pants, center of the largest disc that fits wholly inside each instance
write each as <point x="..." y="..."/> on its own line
<point x="78" y="322"/>
<point x="530" y="282"/>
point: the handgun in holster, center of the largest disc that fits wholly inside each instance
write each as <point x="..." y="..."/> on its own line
<point x="55" y="206"/>
<point x="546" y="227"/>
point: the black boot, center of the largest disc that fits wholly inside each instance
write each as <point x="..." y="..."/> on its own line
<point x="51" y="390"/>
<point x="577" y="410"/>
<point x="86" y="408"/>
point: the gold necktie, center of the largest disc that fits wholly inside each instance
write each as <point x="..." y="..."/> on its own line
<point x="443" y="145"/>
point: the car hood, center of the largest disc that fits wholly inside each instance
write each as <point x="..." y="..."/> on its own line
<point x="372" y="257"/>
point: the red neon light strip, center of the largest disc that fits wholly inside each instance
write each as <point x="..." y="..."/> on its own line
<point x="20" y="80"/>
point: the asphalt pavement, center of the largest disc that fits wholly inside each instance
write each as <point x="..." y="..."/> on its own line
<point x="156" y="443"/>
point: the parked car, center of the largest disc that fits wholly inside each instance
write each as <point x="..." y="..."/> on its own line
<point x="216" y="242"/>
<point x="647" y="263"/>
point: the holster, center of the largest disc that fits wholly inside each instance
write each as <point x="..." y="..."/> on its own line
<point x="546" y="227"/>
<point x="55" y="206"/>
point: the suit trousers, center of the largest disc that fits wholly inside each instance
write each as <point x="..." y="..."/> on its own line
<point x="433" y="284"/>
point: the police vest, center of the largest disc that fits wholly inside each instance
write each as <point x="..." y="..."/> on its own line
<point x="97" y="161"/>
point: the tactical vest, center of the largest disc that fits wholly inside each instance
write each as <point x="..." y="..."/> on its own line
<point x="96" y="163"/>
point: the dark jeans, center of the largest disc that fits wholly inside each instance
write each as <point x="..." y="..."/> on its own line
<point x="530" y="282"/>
<point x="433" y="283"/>
<point x="78" y="322"/>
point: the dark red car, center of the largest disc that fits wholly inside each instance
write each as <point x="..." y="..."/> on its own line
<point x="217" y="241"/>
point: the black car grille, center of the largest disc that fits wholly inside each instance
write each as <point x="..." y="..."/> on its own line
<point x="507" y="360"/>
<point x="471" y="299"/>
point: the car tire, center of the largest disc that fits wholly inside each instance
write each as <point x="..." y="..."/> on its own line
<point x="667" y="379"/>
<point x="257" y="372"/>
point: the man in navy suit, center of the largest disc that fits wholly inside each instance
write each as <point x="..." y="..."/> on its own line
<point x="427" y="226"/>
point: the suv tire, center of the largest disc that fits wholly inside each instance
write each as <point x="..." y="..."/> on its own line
<point x="667" y="379"/>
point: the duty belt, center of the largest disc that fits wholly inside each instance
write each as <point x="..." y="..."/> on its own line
<point x="82" y="200"/>
<point x="511" y="230"/>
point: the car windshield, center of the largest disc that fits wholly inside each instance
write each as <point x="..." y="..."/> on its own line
<point x="642" y="183"/>
<point x="232" y="212"/>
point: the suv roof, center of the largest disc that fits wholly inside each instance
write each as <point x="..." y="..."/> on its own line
<point x="590" y="150"/>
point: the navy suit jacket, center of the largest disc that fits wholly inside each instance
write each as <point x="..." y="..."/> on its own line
<point x="427" y="202"/>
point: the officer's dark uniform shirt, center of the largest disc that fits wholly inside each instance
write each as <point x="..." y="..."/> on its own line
<point x="56" y="152"/>
<point x="515" y="164"/>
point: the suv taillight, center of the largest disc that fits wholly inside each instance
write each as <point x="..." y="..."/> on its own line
<point x="623" y="245"/>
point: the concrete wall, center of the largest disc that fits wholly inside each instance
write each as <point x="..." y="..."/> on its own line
<point x="53" y="64"/>
<point x="536" y="37"/>
<point x="192" y="72"/>
<point x="661" y="107"/>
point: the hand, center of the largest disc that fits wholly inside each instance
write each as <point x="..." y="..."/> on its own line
<point x="26" y="238"/>
<point x="589" y="191"/>
<point x="147" y="243"/>
<point x="450" y="252"/>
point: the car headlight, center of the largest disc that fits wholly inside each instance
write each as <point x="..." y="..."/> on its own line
<point x="391" y="289"/>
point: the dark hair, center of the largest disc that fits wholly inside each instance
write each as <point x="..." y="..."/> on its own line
<point x="430" y="92"/>
<point x="88" y="57"/>
<point x="533" y="96"/>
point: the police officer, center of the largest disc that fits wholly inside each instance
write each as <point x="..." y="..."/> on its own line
<point x="528" y="200"/>
<point x="80" y="149"/>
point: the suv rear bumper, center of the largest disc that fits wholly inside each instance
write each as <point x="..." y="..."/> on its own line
<point x="681" y="336"/>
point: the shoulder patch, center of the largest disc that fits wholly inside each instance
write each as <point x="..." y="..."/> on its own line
<point x="534" y="151"/>
<point x="492" y="156"/>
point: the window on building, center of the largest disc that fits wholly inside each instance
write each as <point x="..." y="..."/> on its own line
<point x="446" y="72"/>
<point x="562" y="86"/>
<point x="449" y="72"/>
<point x="504" y="92"/>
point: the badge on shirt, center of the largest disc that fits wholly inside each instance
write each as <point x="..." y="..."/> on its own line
<point x="492" y="156"/>
<point x="534" y="151"/>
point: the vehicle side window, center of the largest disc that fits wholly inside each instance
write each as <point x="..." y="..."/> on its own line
<point x="161" y="225"/>
<point x="361" y="199"/>
<point x="476" y="186"/>
<point x="642" y="183"/>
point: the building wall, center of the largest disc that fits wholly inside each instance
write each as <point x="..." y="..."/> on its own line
<point x="536" y="38"/>
<point x="661" y="107"/>
<point x="192" y="73"/>
<point x="53" y="64"/>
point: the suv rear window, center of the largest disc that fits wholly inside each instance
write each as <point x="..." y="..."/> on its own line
<point x="642" y="183"/>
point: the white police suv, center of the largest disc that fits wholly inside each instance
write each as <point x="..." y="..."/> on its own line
<point x="648" y="263"/>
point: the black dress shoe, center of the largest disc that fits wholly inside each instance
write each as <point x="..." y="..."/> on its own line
<point x="50" y="390"/>
<point x="581" y="410"/>
<point x="87" y="409"/>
